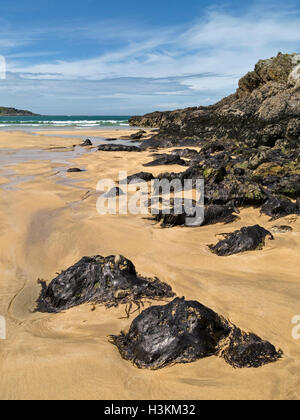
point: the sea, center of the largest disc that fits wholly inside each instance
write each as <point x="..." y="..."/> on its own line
<point x="66" y="121"/>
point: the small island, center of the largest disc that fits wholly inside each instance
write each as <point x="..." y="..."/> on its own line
<point x="11" y="112"/>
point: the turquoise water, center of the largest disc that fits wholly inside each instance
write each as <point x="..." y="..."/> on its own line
<point x="65" y="121"/>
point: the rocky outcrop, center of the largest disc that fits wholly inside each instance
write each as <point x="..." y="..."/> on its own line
<point x="13" y="112"/>
<point x="265" y="108"/>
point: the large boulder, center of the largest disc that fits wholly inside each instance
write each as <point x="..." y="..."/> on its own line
<point x="186" y="331"/>
<point x="250" y="238"/>
<point x="109" y="280"/>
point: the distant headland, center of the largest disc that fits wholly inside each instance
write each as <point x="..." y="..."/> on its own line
<point x="8" y="112"/>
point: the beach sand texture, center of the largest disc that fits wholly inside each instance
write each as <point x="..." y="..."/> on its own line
<point x="48" y="221"/>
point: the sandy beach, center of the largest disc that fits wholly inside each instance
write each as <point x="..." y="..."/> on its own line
<point x="49" y="221"/>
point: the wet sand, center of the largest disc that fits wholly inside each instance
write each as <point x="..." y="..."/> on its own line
<point x="49" y="221"/>
<point x="109" y="133"/>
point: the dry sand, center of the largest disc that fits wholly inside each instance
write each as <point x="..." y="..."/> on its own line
<point x="49" y="221"/>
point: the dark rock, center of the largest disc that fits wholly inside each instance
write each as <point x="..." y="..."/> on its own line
<point x="110" y="281"/>
<point x="244" y="350"/>
<point x="223" y="185"/>
<point x="86" y="143"/>
<point x="170" y="219"/>
<point x="114" y="192"/>
<point x="247" y="239"/>
<point x="138" y="136"/>
<point x="185" y="153"/>
<point x="160" y="155"/>
<point x="281" y="229"/>
<point x="158" y="142"/>
<point x="257" y="159"/>
<point x="239" y="190"/>
<point x="167" y="160"/>
<point x="71" y="170"/>
<point x="220" y="214"/>
<point x="186" y="331"/>
<point x="287" y="186"/>
<point x="239" y="171"/>
<point x="111" y="139"/>
<point x="277" y="207"/>
<point x="177" y="214"/>
<point x="213" y="147"/>
<point x="137" y="178"/>
<point x="118" y="148"/>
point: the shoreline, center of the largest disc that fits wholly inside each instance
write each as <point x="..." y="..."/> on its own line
<point x="23" y="139"/>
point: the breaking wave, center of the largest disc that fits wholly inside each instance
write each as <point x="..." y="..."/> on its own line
<point x="61" y="121"/>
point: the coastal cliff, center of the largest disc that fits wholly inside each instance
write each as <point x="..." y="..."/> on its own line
<point x="264" y="109"/>
<point x="11" y="112"/>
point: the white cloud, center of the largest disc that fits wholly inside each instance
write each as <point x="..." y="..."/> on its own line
<point x="217" y="42"/>
<point x="212" y="83"/>
<point x="198" y="63"/>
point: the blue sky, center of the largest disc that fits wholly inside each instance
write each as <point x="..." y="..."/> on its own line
<point x="122" y="58"/>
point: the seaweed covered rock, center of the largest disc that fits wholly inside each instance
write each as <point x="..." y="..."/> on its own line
<point x="220" y="214"/>
<point x="247" y="239"/>
<point x="118" y="148"/>
<point x="74" y="170"/>
<point x="277" y="207"/>
<point x="175" y="140"/>
<point x="170" y="219"/>
<point x="286" y="186"/>
<point x="137" y="178"/>
<point x="246" y="350"/>
<point x="139" y="135"/>
<point x="185" y="331"/>
<point x="179" y="214"/>
<point x="86" y="143"/>
<point x="109" y="280"/>
<point x="167" y="160"/>
<point x="239" y="190"/>
<point x="185" y="153"/>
